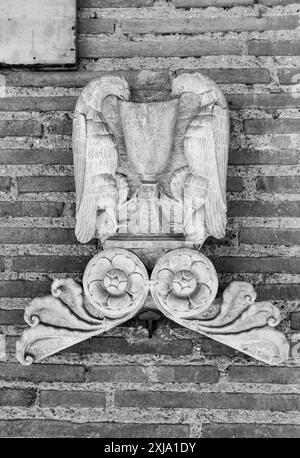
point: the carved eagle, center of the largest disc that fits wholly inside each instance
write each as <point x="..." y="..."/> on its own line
<point x="95" y="156"/>
<point x="205" y="147"/>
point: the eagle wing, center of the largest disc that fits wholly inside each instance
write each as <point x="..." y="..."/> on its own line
<point x="205" y="145"/>
<point x="95" y="174"/>
<point x="95" y="155"/>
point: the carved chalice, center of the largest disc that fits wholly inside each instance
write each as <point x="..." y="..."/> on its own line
<point x="149" y="132"/>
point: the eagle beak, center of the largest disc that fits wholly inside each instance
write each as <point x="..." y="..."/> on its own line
<point x="125" y="95"/>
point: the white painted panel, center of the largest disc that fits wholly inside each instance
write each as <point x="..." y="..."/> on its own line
<point x="37" y="32"/>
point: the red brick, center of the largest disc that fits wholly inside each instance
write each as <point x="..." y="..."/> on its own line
<point x="18" y="128"/>
<point x="98" y="25"/>
<point x="137" y="79"/>
<point x="286" y="292"/>
<point x="277" y="2"/>
<point x="55" y="428"/>
<point x="295" y="320"/>
<point x="42" y="372"/>
<point x="269" y="235"/>
<point x="31" y="209"/>
<point x="115" y="3"/>
<point x="60" y="127"/>
<point x="77" y="398"/>
<point x="94" y="47"/>
<point x="46" y="184"/>
<point x="261" y="374"/>
<point x="17" y="397"/>
<point x="11" y="317"/>
<point x="24" y="288"/>
<point x="213" y="348"/>
<point x="37" y="103"/>
<point x="274" y="48"/>
<point x="50" y="263"/>
<point x="263" y="209"/>
<point x="5" y="183"/>
<point x="264" y="126"/>
<point x="263" y="157"/>
<point x="235" y="184"/>
<point x="129" y="373"/>
<point x="233" y="75"/>
<point x="237" y="264"/>
<point x="191" y="400"/>
<point x="250" y="430"/>
<point x="121" y="346"/>
<point x="280" y="100"/>
<point x="38" y="235"/>
<point x="204" y="25"/>
<point x="36" y="156"/>
<point x="208" y="3"/>
<point x="2" y="263"/>
<point x="285" y="184"/>
<point x="188" y="374"/>
<point x="289" y="75"/>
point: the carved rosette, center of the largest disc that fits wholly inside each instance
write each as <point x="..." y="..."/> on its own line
<point x="115" y="283"/>
<point x="184" y="283"/>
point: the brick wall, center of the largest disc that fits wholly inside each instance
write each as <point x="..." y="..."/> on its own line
<point x="177" y="383"/>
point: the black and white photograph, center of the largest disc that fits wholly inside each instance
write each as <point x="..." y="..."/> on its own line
<point x="150" y="222"/>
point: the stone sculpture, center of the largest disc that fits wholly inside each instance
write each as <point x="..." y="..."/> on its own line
<point x="151" y="186"/>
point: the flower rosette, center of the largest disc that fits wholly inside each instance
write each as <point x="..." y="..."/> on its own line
<point x="115" y="283"/>
<point x="184" y="282"/>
